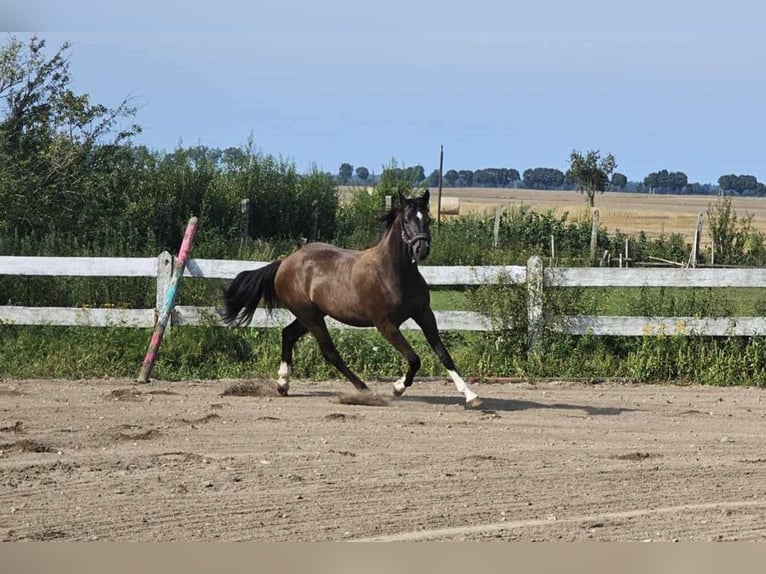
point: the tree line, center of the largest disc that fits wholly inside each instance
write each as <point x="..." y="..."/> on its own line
<point x="661" y="182"/>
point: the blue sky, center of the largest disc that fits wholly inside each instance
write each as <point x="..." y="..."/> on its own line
<point x="661" y="85"/>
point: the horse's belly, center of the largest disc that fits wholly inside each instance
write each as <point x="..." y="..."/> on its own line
<point x="352" y="319"/>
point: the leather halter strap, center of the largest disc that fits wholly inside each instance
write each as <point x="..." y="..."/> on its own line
<point x="415" y="238"/>
<point x="411" y="240"/>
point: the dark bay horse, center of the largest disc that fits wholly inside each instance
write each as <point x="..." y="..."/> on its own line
<point x="380" y="286"/>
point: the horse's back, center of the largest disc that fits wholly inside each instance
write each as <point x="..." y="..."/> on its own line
<point x="331" y="280"/>
<point x="320" y="257"/>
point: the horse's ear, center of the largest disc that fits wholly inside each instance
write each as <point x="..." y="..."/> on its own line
<point x="402" y="199"/>
<point x="426" y="196"/>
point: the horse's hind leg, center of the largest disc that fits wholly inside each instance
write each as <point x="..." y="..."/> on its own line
<point x="319" y="330"/>
<point x="290" y="336"/>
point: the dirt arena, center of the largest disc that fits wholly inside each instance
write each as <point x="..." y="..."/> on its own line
<point x="111" y="460"/>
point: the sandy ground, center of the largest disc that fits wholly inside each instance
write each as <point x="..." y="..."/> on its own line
<point x="111" y="460"/>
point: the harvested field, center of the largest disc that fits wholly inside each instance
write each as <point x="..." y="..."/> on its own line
<point x="627" y="212"/>
<point x="554" y="460"/>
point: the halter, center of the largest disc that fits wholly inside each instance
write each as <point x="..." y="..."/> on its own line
<point x="411" y="240"/>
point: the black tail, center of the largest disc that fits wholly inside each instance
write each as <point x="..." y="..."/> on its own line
<point x="247" y="290"/>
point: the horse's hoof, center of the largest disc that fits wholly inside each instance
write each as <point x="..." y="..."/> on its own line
<point x="282" y="391"/>
<point x="397" y="392"/>
<point x="474" y="403"/>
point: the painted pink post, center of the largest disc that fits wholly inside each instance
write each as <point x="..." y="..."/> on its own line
<point x="170" y="298"/>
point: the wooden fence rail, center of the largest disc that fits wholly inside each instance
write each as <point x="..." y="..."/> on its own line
<point x="534" y="275"/>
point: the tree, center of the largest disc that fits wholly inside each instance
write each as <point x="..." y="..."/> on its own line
<point x="465" y="178"/>
<point x="742" y="184"/>
<point x="345" y="173"/>
<point x="54" y="143"/>
<point x="666" y="181"/>
<point x="362" y="173"/>
<point x="590" y="172"/>
<point x="543" y="178"/>
<point x="415" y="174"/>
<point x="433" y="178"/>
<point x="619" y="180"/>
<point x="451" y="177"/>
<point x="495" y="177"/>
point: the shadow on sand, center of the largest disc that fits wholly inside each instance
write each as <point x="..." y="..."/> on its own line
<point x="490" y="404"/>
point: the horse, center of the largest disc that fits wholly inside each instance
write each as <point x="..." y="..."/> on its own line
<point x="378" y="287"/>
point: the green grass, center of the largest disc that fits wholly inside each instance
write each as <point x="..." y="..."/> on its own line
<point x="742" y="302"/>
<point x="449" y="300"/>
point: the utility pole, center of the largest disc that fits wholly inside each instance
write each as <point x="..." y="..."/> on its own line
<point x="439" y="200"/>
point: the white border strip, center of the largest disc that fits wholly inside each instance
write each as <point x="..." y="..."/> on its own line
<point x="439" y="533"/>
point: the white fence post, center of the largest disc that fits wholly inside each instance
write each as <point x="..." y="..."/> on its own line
<point x="535" y="317"/>
<point x="164" y="274"/>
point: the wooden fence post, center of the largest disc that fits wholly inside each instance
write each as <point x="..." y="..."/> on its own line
<point x="552" y="262"/>
<point x="439" y="197"/>
<point x="496" y="229"/>
<point x="696" y="242"/>
<point x="594" y="237"/>
<point x="535" y="317"/>
<point x="245" y="210"/>
<point x="164" y="275"/>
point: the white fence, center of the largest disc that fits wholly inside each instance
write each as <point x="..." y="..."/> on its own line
<point x="534" y="275"/>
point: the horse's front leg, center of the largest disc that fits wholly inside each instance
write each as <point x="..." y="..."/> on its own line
<point x="427" y="323"/>
<point x="394" y="336"/>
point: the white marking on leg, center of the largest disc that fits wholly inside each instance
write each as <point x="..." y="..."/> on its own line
<point x="462" y="386"/>
<point x="399" y="385"/>
<point x="284" y="375"/>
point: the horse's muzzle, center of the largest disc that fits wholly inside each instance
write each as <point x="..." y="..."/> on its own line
<point x="420" y="250"/>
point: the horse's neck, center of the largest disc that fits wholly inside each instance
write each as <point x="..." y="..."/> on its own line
<point x="394" y="251"/>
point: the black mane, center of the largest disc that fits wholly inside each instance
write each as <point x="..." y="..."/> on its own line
<point x="390" y="216"/>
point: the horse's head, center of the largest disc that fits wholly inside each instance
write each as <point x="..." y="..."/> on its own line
<point x="415" y="222"/>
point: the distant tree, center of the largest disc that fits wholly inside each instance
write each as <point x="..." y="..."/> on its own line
<point x="465" y="178"/>
<point x="619" y="180"/>
<point x="590" y="172"/>
<point x="433" y="179"/>
<point x="415" y="174"/>
<point x="665" y="181"/>
<point x="485" y="178"/>
<point x="494" y="177"/>
<point x="740" y="184"/>
<point x="451" y="177"/>
<point x="362" y="173"/>
<point x="345" y="172"/>
<point x="512" y="175"/>
<point x="543" y="178"/>
<point x="697" y="188"/>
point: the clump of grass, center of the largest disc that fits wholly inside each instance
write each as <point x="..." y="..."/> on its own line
<point x="259" y="388"/>
<point x="366" y="399"/>
<point x="126" y="394"/>
<point x="145" y="435"/>
<point x="26" y="445"/>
